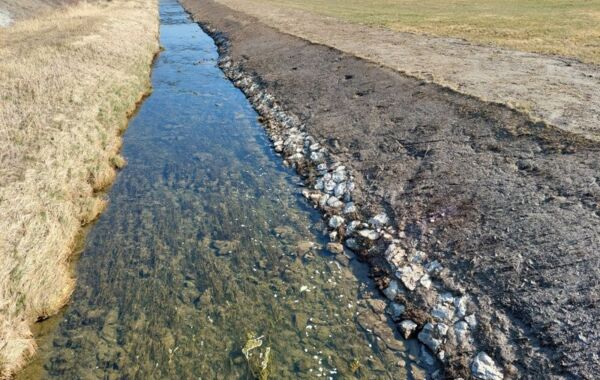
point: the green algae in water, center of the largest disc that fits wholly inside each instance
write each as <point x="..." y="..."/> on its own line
<point x="206" y="239"/>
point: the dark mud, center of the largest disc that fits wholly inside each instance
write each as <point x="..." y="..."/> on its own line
<point x="508" y="206"/>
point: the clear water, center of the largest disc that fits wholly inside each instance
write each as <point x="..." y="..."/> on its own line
<point x="206" y="240"/>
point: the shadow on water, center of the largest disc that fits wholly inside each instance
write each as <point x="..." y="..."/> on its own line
<point x="206" y="241"/>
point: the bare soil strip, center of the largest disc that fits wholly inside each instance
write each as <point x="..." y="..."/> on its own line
<point x="560" y="91"/>
<point x="508" y="206"/>
<point x="68" y="81"/>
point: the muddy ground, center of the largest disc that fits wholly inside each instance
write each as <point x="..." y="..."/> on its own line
<point x="508" y="205"/>
<point x="561" y="91"/>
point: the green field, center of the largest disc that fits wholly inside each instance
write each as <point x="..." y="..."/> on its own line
<point x="567" y="28"/>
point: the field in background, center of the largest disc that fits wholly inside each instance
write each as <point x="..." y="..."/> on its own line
<point x="22" y="9"/>
<point x="68" y="80"/>
<point x="562" y="27"/>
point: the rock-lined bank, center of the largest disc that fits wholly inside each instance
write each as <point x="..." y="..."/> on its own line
<point x="443" y="329"/>
<point x="460" y="207"/>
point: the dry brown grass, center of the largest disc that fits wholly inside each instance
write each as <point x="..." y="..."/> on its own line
<point x="68" y="80"/>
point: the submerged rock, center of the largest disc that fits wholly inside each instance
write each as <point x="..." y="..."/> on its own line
<point x="392" y="290"/>
<point x="396" y="310"/>
<point x="336" y="248"/>
<point x="352" y="244"/>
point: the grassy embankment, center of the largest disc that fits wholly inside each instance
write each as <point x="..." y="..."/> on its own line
<point x="561" y="27"/>
<point x="68" y="81"/>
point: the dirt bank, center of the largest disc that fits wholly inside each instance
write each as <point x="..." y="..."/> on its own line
<point x="67" y="89"/>
<point x="507" y="206"/>
<point x="560" y="91"/>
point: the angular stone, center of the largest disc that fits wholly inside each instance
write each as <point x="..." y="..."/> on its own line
<point x="369" y="234"/>
<point x="429" y="337"/>
<point x="425" y="281"/>
<point x="460" y="303"/>
<point x="315" y="197"/>
<point x="378" y="305"/>
<point x="323" y="200"/>
<point x="340" y="189"/>
<point x="353" y="225"/>
<point x="336" y="221"/>
<point x="319" y="184"/>
<point x="446" y="297"/>
<point x="471" y="320"/>
<point x="349" y="208"/>
<point x="443" y="312"/>
<point x="395" y="255"/>
<point x="484" y="368"/>
<point x="407" y="328"/>
<point x="392" y="290"/>
<point x="410" y="275"/>
<point x="322" y="167"/>
<point x="433" y="267"/>
<point x="461" y="331"/>
<point x="379" y="220"/>
<point x="441" y="329"/>
<point x="296" y="157"/>
<point x="339" y="175"/>
<point x="329" y="186"/>
<point x="333" y="202"/>
<point x="317" y="156"/>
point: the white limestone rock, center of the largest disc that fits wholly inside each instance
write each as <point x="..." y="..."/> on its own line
<point x="410" y="275"/>
<point x="484" y="368"/>
<point x="407" y="328"/>
<point x="336" y="221"/>
<point x="379" y="220"/>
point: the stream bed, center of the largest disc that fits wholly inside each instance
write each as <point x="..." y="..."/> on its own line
<point x="208" y="264"/>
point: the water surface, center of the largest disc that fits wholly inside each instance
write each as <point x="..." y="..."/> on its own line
<point x="207" y="243"/>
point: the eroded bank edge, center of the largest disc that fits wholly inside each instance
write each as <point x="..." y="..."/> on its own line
<point x="117" y="163"/>
<point x="449" y="327"/>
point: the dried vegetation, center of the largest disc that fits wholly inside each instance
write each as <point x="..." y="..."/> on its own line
<point x="68" y="81"/>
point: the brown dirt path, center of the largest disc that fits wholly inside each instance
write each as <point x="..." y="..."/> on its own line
<point x="510" y="206"/>
<point x="560" y="91"/>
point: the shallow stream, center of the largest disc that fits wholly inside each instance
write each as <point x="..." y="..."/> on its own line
<point x="207" y="244"/>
